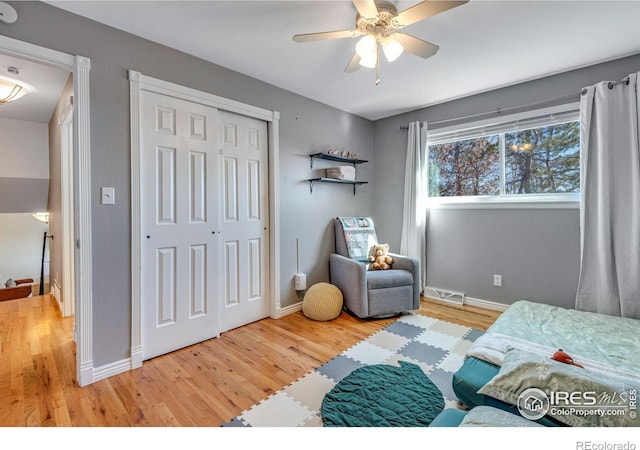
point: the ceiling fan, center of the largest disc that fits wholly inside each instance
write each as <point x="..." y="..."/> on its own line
<point x="378" y="21"/>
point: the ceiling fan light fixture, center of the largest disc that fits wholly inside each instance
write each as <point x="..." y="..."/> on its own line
<point x="392" y="49"/>
<point x="369" y="61"/>
<point x="376" y="23"/>
<point x="366" y="47"/>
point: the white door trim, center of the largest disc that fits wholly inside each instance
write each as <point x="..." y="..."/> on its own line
<point x="80" y="67"/>
<point x="65" y="122"/>
<point x="139" y="82"/>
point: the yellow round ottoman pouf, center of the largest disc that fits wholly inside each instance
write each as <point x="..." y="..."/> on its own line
<point x="323" y="301"/>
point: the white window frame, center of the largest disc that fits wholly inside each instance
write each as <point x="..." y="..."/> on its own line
<point x="497" y="125"/>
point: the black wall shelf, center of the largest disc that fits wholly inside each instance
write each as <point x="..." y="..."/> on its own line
<point x="336" y="158"/>
<point x="355" y="183"/>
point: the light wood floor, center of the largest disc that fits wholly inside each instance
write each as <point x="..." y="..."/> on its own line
<point x="206" y="384"/>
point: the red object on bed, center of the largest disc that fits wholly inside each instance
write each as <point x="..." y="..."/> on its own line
<point x="564" y="357"/>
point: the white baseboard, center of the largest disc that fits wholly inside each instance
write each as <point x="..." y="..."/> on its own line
<point x="480" y="303"/>
<point x="112" y="369"/>
<point x="136" y="356"/>
<point x="470" y="301"/>
<point x="86" y="373"/>
<point x="58" y="295"/>
<point x="281" y="312"/>
<point x="487" y="304"/>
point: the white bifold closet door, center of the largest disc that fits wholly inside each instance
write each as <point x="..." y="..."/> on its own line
<point x="203" y="263"/>
<point x="244" y="218"/>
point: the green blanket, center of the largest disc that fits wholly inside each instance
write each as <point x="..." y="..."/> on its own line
<point x="383" y="396"/>
<point x="606" y="339"/>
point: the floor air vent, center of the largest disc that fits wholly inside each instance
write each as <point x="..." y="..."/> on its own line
<point x="445" y="295"/>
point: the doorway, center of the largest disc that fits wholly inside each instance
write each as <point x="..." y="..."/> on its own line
<point x="80" y="194"/>
<point x="28" y="186"/>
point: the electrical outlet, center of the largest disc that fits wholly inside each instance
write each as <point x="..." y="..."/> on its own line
<point x="497" y="280"/>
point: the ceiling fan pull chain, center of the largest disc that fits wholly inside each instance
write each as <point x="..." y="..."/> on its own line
<point x="378" y="64"/>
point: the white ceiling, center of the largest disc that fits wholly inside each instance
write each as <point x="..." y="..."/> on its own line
<point x="44" y="84"/>
<point x="483" y="44"/>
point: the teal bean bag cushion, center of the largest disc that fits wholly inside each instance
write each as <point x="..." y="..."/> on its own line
<point x="383" y="396"/>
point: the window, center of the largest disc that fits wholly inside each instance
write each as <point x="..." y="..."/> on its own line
<point x="543" y="160"/>
<point x="531" y="159"/>
<point x="462" y="168"/>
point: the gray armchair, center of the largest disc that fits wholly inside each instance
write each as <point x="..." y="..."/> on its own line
<point x="372" y="293"/>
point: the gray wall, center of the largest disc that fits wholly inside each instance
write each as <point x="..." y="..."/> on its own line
<point x="24" y="166"/>
<point x="305" y="127"/>
<point x="23" y="195"/>
<point x="536" y="251"/>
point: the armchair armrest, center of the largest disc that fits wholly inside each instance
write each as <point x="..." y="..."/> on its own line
<point x="412" y="265"/>
<point x="350" y="277"/>
<point x="402" y="262"/>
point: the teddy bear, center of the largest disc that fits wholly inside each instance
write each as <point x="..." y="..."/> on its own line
<point x="380" y="257"/>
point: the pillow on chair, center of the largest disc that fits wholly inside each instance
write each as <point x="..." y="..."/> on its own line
<point x="360" y="236"/>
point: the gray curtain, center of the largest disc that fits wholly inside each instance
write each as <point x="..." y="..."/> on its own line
<point x="413" y="237"/>
<point x="610" y="199"/>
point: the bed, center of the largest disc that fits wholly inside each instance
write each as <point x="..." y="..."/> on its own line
<point x="515" y="354"/>
<point x="480" y="416"/>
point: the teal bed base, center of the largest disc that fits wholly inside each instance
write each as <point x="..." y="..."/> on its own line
<point x="450" y="417"/>
<point x="474" y="374"/>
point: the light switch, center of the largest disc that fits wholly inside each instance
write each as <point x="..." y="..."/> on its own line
<point x="108" y="195"/>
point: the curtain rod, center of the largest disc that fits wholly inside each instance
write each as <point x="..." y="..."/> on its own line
<point x="611" y="84"/>
<point x="499" y="110"/>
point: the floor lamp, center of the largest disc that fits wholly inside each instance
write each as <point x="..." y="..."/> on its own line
<point x="44" y="246"/>
<point x="44" y="218"/>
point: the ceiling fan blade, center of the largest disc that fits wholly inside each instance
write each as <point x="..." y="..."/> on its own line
<point x="416" y="46"/>
<point x="310" y="37"/>
<point x="354" y="64"/>
<point x="366" y="8"/>
<point x="423" y="10"/>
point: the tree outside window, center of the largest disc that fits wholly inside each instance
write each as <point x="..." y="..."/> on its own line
<point x="543" y="160"/>
<point x="540" y="160"/>
<point x="463" y="168"/>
